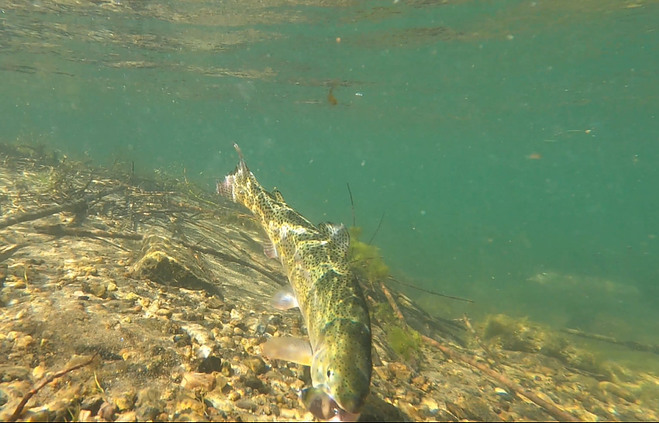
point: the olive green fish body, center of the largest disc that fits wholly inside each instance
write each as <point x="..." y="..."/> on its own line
<point x="329" y="297"/>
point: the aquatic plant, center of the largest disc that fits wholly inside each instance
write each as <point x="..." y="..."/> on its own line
<point x="403" y="340"/>
<point x="365" y="259"/>
<point x="406" y="342"/>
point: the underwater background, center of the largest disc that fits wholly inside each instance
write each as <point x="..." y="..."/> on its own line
<point x="504" y="151"/>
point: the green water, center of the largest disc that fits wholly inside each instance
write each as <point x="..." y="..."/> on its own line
<point x="512" y="145"/>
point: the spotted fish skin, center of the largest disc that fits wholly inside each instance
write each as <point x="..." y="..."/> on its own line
<point x="329" y="297"/>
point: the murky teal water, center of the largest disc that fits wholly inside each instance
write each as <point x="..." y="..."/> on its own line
<point x="512" y="145"/>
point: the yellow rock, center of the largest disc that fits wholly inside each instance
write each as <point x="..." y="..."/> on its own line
<point x="23" y="342"/>
<point x="38" y="371"/>
<point x="127" y="354"/>
<point x="128" y="416"/>
<point x="125" y="401"/>
<point x="131" y="296"/>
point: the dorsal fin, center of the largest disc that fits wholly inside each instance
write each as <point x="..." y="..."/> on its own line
<point x="337" y="233"/>
<point x="277" y="194"/>
<point x="241" y="165"/>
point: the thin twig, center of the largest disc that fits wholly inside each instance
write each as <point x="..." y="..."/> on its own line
<point x="352" y="205"/>
<point x="376" y="229"/>
<point x="428" y="291"/>
<point x="46" y="381"/>
<point x="632" y="345"/>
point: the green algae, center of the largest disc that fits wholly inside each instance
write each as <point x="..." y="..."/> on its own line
<point x="367" y="264"/>
<point x="365" y="259"/>
<point x="406" y="342"/>
<point x="403" y="340"/>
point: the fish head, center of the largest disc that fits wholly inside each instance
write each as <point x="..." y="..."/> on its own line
<point x="340" y="371"/>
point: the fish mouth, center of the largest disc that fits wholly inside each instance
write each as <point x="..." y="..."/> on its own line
<point x="324" y="407"/>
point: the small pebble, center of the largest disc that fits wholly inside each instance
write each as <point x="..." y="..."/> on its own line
<point x="106" y="411"/>
<point x="38" y="372"/>
<point x="255" y="383"/>
<point x="256" y="364"/>
<point x="226" y="369"/>
<point x="236" y="316"/>
<point x="128" y="416"/>
<point x="214" y="303"/>
<point x="148" y="413"/>
<point x="164" y="312"/>
<point x="246" y="404"/>
<point x="210" y="364"/>
<point x="85" y="416"/>
<point x="23" y="342"/>
<point x="131" y="296"/>
<point x="503" y="393"/>
<point x="193" y="380"/>
<point x="125" y="401"/>
<point x="92" y="403"/>
<point x="98" y="289"/>
<point x="289" y="414"/>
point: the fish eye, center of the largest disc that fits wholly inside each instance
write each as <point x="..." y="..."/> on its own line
<point x="329" y="373"/>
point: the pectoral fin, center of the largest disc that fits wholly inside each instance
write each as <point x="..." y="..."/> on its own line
<point x="284" y="299"/>
<point x="288" y="348"/>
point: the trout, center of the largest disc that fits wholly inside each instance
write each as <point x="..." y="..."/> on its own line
<point x="315" y="259"/>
